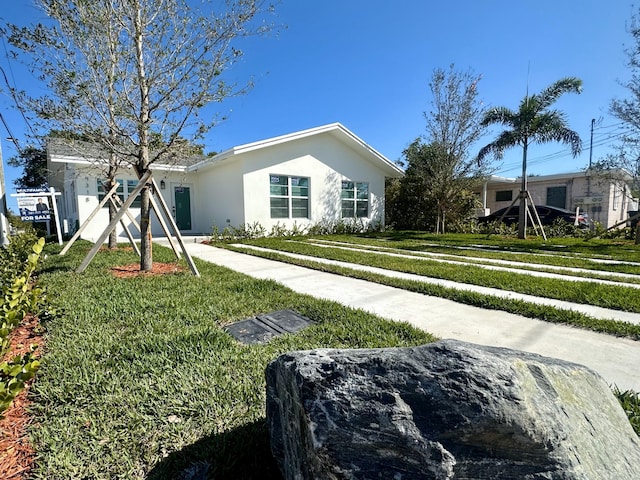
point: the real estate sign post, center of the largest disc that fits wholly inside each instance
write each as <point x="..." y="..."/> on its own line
<point x="35" y="205"/>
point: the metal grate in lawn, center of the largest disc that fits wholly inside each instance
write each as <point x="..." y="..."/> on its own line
<point x="264" y="327"/>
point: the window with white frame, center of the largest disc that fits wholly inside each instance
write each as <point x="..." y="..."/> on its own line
<point x="131" y="185"/>
<point x="124" y="190"/>
<point x="616" y="197"/>
<point x="355" y="199"/>
<point x="289" y="196"/>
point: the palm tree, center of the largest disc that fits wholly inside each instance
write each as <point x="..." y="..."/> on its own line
<point x="532" y="122"/>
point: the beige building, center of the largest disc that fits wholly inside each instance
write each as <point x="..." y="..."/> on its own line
<point x="604" y="200"/>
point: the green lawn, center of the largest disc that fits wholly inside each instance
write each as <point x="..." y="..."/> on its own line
<point x="568" y="252"/>
<point x="140" y="381"/>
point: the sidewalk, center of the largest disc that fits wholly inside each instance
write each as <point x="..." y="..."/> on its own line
<point x="616" y="359"/>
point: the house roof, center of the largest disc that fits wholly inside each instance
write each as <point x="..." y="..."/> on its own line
<point x="74" y="151"/>
<point x="336" y="130"/>
<point x="80" y="152"/>
<point x="495" y="180"/>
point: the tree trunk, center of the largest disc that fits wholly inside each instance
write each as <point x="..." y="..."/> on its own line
<point x="146" y="253"/>
<point x="146" y="257"/>
<point x="113" y="236"/>
<point x="638" y="233"/>
<point x="108" y="185"/>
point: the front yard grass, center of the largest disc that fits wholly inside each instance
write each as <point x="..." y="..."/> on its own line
<point x="581" y="292"/>
<point x="140" y="381"/>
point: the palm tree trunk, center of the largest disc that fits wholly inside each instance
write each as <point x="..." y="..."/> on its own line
<point x="522" y="217"/>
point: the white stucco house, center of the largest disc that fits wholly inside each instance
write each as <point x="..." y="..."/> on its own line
<point x="603" y="200"/>
<point x="307" y="177"/>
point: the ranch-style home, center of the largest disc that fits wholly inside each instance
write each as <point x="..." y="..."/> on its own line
<point x="324" y="174"/>
<point x="603" y="200"/>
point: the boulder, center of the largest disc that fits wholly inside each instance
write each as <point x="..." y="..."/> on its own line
<point x="444" y="410"/>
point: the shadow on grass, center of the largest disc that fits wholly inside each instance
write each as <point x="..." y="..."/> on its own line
<point x="242" y="453"/>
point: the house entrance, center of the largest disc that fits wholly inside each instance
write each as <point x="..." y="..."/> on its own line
<point x="182" y="205"/>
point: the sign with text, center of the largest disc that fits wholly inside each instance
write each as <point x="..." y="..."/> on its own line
<point x="34" y="209"/>
<point x="33" y="190"/>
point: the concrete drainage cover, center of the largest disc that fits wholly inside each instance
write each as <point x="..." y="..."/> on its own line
<point x="264" y="327"/>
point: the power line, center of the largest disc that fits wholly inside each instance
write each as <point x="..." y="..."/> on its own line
<point x="12" y="90"/>
<point x="557" y="155"/>
<point x="14" y="139"/>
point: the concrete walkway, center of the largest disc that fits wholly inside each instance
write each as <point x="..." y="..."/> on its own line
<point x="616" y="359"/>
<point x="591" y="310"/>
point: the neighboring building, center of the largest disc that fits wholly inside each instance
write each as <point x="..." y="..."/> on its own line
<point x="603" y="200"/>
<point x="321" y="174"/>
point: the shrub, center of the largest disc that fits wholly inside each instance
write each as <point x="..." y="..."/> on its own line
<point x="20" y="297"/>
<point x="324" y="227"/>
<point x="498" y="228"/>
<point x="562" y="228"/>
<point x="13" y="257"/>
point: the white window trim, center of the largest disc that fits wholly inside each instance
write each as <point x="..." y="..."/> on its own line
<point x="290" y="197"/>
<point x="124" y="184"/>
<point x="355" y="198"/>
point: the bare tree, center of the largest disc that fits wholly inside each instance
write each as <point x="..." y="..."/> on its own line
<point x="119" y="72"/>
<point x="453" y="126"/>
<point x="454" y="121"/>
<point x="623" y="166"/>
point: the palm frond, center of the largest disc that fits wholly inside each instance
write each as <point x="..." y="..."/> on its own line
<point x="550" y="95"/>
<point x="533" y="121"/>
<point x="499" y="115"/>
<point x="552" y="126"/>
<point x="506" y="139"/>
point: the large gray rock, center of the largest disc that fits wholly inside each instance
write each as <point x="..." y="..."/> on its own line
<point x="445" y="410"/>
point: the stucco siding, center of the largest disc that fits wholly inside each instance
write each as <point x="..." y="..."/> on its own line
<point x="220" y="196"/>
<point x="318" y="167"/>
<point x="326" y="162"/>
<point x="86" y="188"/>
<point x="603" y="201"/>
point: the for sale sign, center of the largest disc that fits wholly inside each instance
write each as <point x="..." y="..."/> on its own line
<point x="34" y="209"/>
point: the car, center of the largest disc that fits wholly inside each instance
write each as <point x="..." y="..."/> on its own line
<point x="547" y="215"/>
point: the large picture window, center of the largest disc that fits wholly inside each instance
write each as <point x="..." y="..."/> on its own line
<point x="289" y="196"/>
<point x="355" y="199"/>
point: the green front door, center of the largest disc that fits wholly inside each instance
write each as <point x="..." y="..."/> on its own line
<point x="182" y="199"/>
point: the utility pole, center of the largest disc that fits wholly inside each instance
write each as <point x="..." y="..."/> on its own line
<point x="593" y="122"/>
<point x="4" y="238"/>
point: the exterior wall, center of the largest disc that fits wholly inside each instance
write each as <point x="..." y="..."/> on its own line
<point x="326" y="161"/>
<point x="234" y="188"/>
<point x="220" y="196"/>
<point x="81" y="181"/>
<point x="602" y="200"/>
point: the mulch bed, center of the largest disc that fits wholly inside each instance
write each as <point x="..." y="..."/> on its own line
<point x="17" y="456"/>
<point x="16" y="453"/>
<point x="133" y="270"/>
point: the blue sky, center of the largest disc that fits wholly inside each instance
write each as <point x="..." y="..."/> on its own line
<point x="367" y="64"/>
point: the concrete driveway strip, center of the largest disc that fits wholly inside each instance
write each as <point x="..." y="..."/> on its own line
<point x="616" y="359"/>
<point x="591" y="310"/>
